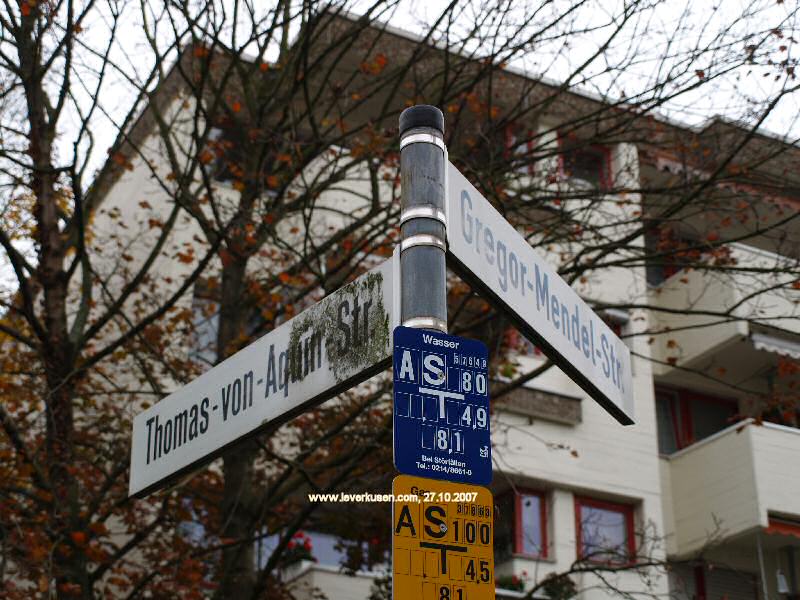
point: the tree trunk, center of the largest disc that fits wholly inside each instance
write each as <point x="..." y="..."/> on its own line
<point x="56" y="349"/>
<point x="238" y="559"/>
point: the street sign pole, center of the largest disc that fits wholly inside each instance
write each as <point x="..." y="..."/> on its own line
<point x="423" y="158"/>
<point x="441" y="427"/>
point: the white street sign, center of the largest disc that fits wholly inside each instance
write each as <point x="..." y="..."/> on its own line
<point x="497" y="260"/>
<point x="333" y="345"/>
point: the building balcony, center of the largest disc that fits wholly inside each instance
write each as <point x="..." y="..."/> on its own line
<point x="738" y="484"/>
<point x="699" y="328"/>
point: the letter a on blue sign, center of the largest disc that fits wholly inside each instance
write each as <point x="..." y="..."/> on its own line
<point x="441" y="406"/>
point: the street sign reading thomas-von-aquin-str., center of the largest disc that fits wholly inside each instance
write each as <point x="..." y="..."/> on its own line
<point x="331" y="346"/>
<point x="495" y="259"/>
<point x="441" y="406"/>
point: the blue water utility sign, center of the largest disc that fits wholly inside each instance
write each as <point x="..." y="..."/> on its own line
<point x="441" y="406"/>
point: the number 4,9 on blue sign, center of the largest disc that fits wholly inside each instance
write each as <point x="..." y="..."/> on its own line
<point x="441" y="407"/>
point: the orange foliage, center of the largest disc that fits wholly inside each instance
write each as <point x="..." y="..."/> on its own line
<point x="78" y="537"/>
<point x="376" y="65"/>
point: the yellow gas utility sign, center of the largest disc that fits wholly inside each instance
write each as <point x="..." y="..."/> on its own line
<point x="442" y="546"/>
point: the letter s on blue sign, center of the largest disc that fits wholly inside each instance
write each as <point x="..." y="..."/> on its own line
<point x="433" y="371"/>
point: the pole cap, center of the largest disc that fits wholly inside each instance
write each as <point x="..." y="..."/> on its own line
<point x="421" y="115"/>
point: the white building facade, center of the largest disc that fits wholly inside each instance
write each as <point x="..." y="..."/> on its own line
<point x="710" y="498"/>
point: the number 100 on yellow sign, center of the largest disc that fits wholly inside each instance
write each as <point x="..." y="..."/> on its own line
<point x="442" y="541"/>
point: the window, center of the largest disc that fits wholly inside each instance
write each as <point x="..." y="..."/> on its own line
<point x="670" y="251"/>
<point x="526" y="533"/>
<point x="205" y="318"/>
<point x="531" y="525"/>
<point x="589" y="164"/>
<point x="519" y="149"/>
<point x="685" y="417"/>
<point x="225" y="145"/>
<point x="604" y="531"/>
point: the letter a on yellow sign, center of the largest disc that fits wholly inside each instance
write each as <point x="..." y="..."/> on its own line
<point x="442" y="542"/>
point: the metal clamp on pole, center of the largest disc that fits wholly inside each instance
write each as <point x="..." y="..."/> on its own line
<point x="423" y="288"/>
<point x="421" y="239"/>
<point x="417" y="138"/>
<point x="423" y="212"/>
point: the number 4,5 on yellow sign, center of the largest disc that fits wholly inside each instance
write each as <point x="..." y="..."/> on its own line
<point x="442" y="550"/>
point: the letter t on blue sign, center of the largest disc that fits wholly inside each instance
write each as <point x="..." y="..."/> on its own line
<point x="441" y="407"/>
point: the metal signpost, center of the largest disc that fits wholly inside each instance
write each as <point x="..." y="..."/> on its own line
<point x="496" y="260"/>
<point x="443" y="546"/>
<point x="441" y="406"/>
<point x="335" y="344"/>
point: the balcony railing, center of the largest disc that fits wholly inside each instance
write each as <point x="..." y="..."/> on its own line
<point x="702" y="298"/>
<point x="729" y="484"/>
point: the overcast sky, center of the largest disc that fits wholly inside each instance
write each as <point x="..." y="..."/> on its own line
<point x="650" y="44"/>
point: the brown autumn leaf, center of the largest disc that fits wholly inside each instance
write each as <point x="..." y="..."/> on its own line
<point x="120" y="159"/>
<point x="99" y="528"/>
<point x="79" y="537"/>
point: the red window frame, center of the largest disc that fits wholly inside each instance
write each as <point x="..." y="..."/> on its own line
<point x="682" y="424"/>
<point x="783" y="526"/>
<point x="700" y="583"/>
<point x="518" y="530"/>
<point x="604" y="177"/>
<point x="625" y="509"/>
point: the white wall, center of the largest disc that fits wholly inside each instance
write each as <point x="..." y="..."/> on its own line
<point x="727" y="485"/>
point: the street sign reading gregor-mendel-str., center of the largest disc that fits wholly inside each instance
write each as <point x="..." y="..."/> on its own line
<point x="499" y="262"/>
<point x="441" y="406"/>
<point x="324" y="350"/>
